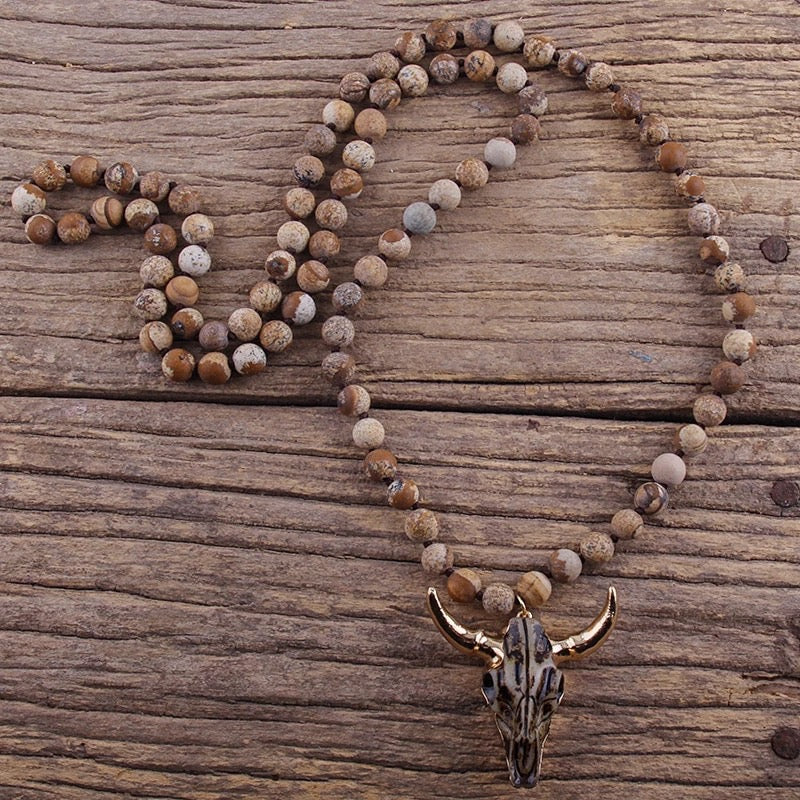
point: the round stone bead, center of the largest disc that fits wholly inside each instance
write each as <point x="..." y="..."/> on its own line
<point x="319" y="140"/>
<point x="477" y="33"/>
<point x="313" y="276"/>
<point x="691" y="440"/>
<point x="394" y="244"/>
<point x="444" y="69"/>
<point x="338" y="115"/>
<point x="184" y="200"/>
<point x="739" y="345"/>
<point x="368" y="433"/>
<point x="40" y="229"/>
<point x="265" y="296"/>
<point x="346" y="183"/>
<point x="410" y="47"/>
<point x="729" y="277"/>
<point x="597" y="548"/>
<point x="182" y="291"/>
<point x="156" y="271"/>
<point x="689" y="184"/>
<point x="194" y="260"/>
<point x="538" y="51"/>
<point x="249" y="359"/>
<point x="511" y="78"/>
<point x="178" y="364"/>
<point x="338" y="331"/>
<point x="653" y="130"/>
<point x="703" y="219"/>
<point x="86" y="171"/>
<point x="121" y="178"/>
<point x="214" y="368"/>
<point x="532" y="100"/>
<point x="299" y="202"/>
<point x="160" y="238"/>
<point x="627" y="103"/>
<point x="214" y="336"/>
<point x="244" y="324"/>
<point x="463" y="585"/>
<point x="140" y="214"/>
<point x="339" y="368"/>
<point x="353" y="87"/>
<point x="186" y="323"/>
<point x="508" y="36"/>
<point x="353" y="400"/>
<point x="727" y="377"/>
<point x="381" y="465"/>
<point x="627" y="524"/>
<point x="293" y="236"/>
<point x="308" y="171"/>
<point x="441" y="34"/>
<point x="358" y="155"/>
<point x="73" y="228"/>
<point x="421" y="525"/>
<point x="479" y="65"/>
<point x="385" y="94"/>
<point x="371" y="271"/>
<point x="738" y="307"/>
<point x="498" y="599"/>
<point x="437" y="558"/>
<point x="525" y="129"/>
<point x="153" y="185"/>
<point x="382" y="65"/>
<point x="298" y="308"/>
<point x="419" y="218"/>
<point x="669" y="469"/>
<point x="107" y="212"/>
<point x="28" y="199"/>
<point x="371" y="124"/>
<point x="565" y="565"/>
<point x="49" y="175"/>
<point x="154" y="337"/>
<point x="324" y="245"/>
<point x="650" y="498"/>
<point x="348" y="298"/>
<point x="280" y="265"/>
<point x="671" y="156"/>
<point x="709" y="410"/>
<point x="572" y="62"/>
<point x="197" y="229"/>
<point x="402" y="493"/>
<point x="413" y="80"/>
<point x="598" y="76"/>
<point x="534" y="588"/>
<point x="275" y="336"/>
<point x="445" y="194"/>
<point x="714" y="250"/>
<point x="500" y="153"/>
<point x="472" y="174"/>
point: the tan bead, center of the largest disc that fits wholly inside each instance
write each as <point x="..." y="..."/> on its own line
<point x="597" y="548"/>
<point x="445" y="194"/>
<point x="508" y="36"/>
<point x="265" y="296"/>
<point x="28" y="199"/>
<point x="538" y="51"/>
<point x="729" y="277"/>
<point x="348" y="298"/>
<point x="214" y="368"/>
<point x="299" y="202"/>
<point x="184" y="200"/>
<point x="394" y="244"/>
<point x="412" y="80"/>
<point x="385" y="94"/>
<point x="410" y="47"/>
<point x="298" y="308"/>
<point x="382" y="65"/>
<point x="308" y="171"/>
<point x="358" y="155"/>
<point x="245" y="324"/>
<point x="368" y="433"/>
<point x="500" y="153"/>
<point x="280" y="265"/>
<point x="463" y="585"/>
<point x="472" y="174"/>
<point x="353" y="87"/>
<point x="598" y="76"/>
<point x="709" y="410"/>
<point x="727" y="377"/>
<point x="86" y="171"/>
<point x="198" y="229"/>
<point x="371" y="124"/>
<point x="689" y="184"/>
<point x="511" y="78"/>
<point x="324" y="245"/>
<point x="402" y="493"/>
<point x="338" y="331"/>
<point x="739" y="345"/>
<point x="479" y="65"/>
<point x="186" y="323"/>
<point x="155" y="337"/>
<point x="532" y="100"/>
<point x="703" y="219"/>
<point x="441" y="34"/>
<point x="182" y="291"/>
<point x="49" y="175"/>
<point x="214" y="336"/>
<point x="339" y="368"/>
<point x="671" y="156"/>
<point x="160" y="239"/>
<point x="669" y="469"/>
<point x="293" y="236"/>
<point x="534" y="588"/>
<point x="572" y="62"/>
<point x="150" y="304"/>
<point x="249" y="359"/>
<point x="371" y="271"/>
<point x="319" y="140"/>
<point x="153" y="186"/>
<point x="691" y="440"/>
<point x="524" y="129"/>
<point x="353" y="400"/>
<point x="627" y="103"/>
<point x="714" y="250"/>
<point x="140" y="214"/>
<point x="40" y="229"/>
<point x="156" y="271"/>
<point x="339" y="115"/>
<point x="178" y="364"/>
<point x="565" y="565"/>
<point x="313" y="276"/>
<point x="121" y="178"/>
<point x="73" y="228"/>
<point x="275" y="336"/>
<point x="444" y="69"/>
<point x="650" y="498"/>
<point x="738" y="307"/>
<point x="346" y="183"/>
<point x="499" y="599"/>
<point x="381" y="465"/>
<point x="653" y="130"/>
<point x="627" y="524"/>
<point x="107" y="212"/>
<point x="477" y="33"/>
<point x="421" y="525"/>
<point x="331" y="214"/>
<point x="437" y="558"/>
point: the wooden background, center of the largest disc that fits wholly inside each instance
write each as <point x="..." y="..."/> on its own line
<point x="202" y="598"/>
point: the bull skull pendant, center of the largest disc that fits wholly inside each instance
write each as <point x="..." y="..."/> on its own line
<point x="523" y="684"/>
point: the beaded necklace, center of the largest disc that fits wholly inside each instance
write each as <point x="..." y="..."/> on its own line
<point x="523" y="683"/>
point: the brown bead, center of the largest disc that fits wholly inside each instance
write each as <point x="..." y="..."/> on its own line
<point x="382" y="65"/>
<point x="477" y="33"/>
<point x="653" y="130"/>
<point x="444" y="69"/>
<point x="186" y="323"/>
<point x="338" y="331"/>
<point x="155" y="337"/>
<point x="320" y="140"/>
<point x="199" y="229"/>
<point x="410" y="47"/>
<point x="265" y="296"/>
<point x="299" y="202"/>
<point x="348" y="298"/>
<point x="308" y="171"/>
<point x="85" y="171"/>
<point x="178" y="364"/>
<point x="313" y="276"/>
<point x="479" y="65"/>
<point x="73" y="228"/>
<point x="565" y="565"/>
<point x="371" y="124"/>
<point x="107" y="212"/>
<point x="627" y="524"/>
<point x="532" y="100"/>
<point x="402" y="493"/>
<point x="738" y="307"/>
<point x="572" y="62"/>
<point x="150" y="304"/>
<point x="346" y="183"/>
<point x="154" y="186"/>
<point x="331" y="214"/>
<point x="385" y="94"/>
<point x="275" y="336"/>
<point x="499" y="599"/>
<point x="214" y="336"/>
<point x="160" y="238"/>
<point x="121" y="177"/>
<point x="245" y="324"/>
<point x="182" y="291"/>
<point x="690" y="184"/>
<point x="324" y="245"/>
<point x="597" y="548"/>
<point x="371" y="271"/>
<point x="534" y="588"/>
<point x="339" y="368"/>
<point x="214" y="368"/>
<point x="463" y="585"/>
<point x="524" y="129"/>
<point x="353" y="87"/>
<point x="650" y="498"/>
<point x="184" y="200"/>
<point x="727" y="377"/>
<point x="441" y="35"/>
<point x="380" y="465"/>
<point x="353" y="400"/>
<point x="249" y="359"/>
<point x="709" y="410"/>
<point x="627" y="103"/>
<point x="280" y="265"/>
<point x="40" y="229"/>
<point x="472" y="174"/>
<point x="298" y="308"/>
<point x="140" y="214"/>
<point x="49" y="175"/>
<point x="714" y="250"/>
<point x="774" y="248"/>
<point x="421" y="525"/>
<point x="672" y="156"/>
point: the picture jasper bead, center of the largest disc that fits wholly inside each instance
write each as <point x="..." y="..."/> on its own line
<point x="463" y="585"/>
<point x="412" y="80"/>
<point x="410" y="47"/>
<point x="275" y="336"/>
<point x="40" y="229"/>
<point x="155" y="337"/>
<point x="441" y="34"/>
<point x="244" y="324"/>
<point x="437" y="558"/>
<point x="194" y="260"/>
<point x="709" y="410"/>
<point x="421" y="525"/>
<point x="324" y="245"/>
<point x="381" y="465"/>
<point x="348" y="298"/>
<point x="150" y="304"/>
<point x="214" y="336"/>
<point x="597" y="548"/>
<point x="178" y="364"/>
<point x="184" y="200"/>
<point x="402" y="493"/>
<point x="371" y="124"/>
<point x="565" y="565"/>
<point x="511" y="78"/>
<point x="186" y="323"/>
<point x="368" y="433"/>
<point x="156" y="271"/>
<point x="308" y="171"/>
<point x="727" y="377"/>
<point x="689" y="184"/>
<point x="525" y="129"/>
<point x="498" y="599"/>
<point x="500" y="153"/>
<point x="338" y="331"/>
<point x="73" y="228"/>
<point x="653" y="130"/>
<point x="160" y="238"/>
<point x="353" y="87"/>
<point x="627" y="524"/>
<point x="382" y="65"/>
<point x="298" y="308"/>
<point x="331" y="214"/>
<point x="598" y="76"/>
<point x="299" y="202"/>
<point x="371" y="271"/>
<point x="182" y="291"/>
<point x="534" y="588"/>
<point x="280" y="265"/>
<point x="339" y="368"/>
<point x="338" y="115"/>
<point x="691" y="440"/>
<point x="714" y="250"/>
<point x="739" y="345"/>
<point x="477" y="33"/>
<point x="394" y="244"/>
<point x="627" y="103"/>
<point x="385" y="94"/>
<point x="249" y="359"/>
<point x="140" y="214"/>
<point x="650" y="498"/>
<point x="28" y="199"/>
<point x="154" y="186"/>
<point x="738" y="307"/>
<point x="121" y="178"/>
<point x="293" y="236"/>
<point x="313" y="276"/>
<point x="508" y="36"/>
<point x="479" y="65"/>
<point x="346" y="183"/>
<point x="703" y="219"/>
<point x="729" y="277"/>
<point x="319" y="140"/>
<point x="107" y="212"/>
<point x="444" y="69"/>
<point x="198" y="229"/>
<point x="671" y="156"/>
<point x="214" y="368"/>
<point x="538" y="51"/>
<point x="572" y="62"/>
<point x="532" y="100"/>
<point x="85" y="171"/>
<point x="668" y="469"/>
<point x="419" y="218"/>
<point x="353" y="400"/>
<point x="472" y="174"/>
<point x="49" y="175"/>
<point x="265" y="296"/>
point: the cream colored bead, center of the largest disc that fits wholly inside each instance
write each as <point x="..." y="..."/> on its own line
<point x="709" y="410"/>
<point x="729" y="277"/>
<point x="249" y="359"/>
<point x="368" y="433"/>
<point x="598" y="76"/>
<point x="394" y="244"/>
<point x="445" y="194"/>
<point x="413" y="80"/>
<point x="691" y="440"/>
<point x="739" y="345"/>
<point x="538" y="51"/>
<point x="293" y="236"/>
<point x="500" y="152"/>
<point x="421" y="525"/>
<point x="265" y="296"/>
<point x="28" y="199"/>
<point x="498" y="598"/>
<point x="197" y="229"/>
<point x="511" y="77"/>
<point x="156" y="271"/>
<point x="359" y="155"/>
<point x="508" y="36"/>
<point x="339" y="114"/>
<point x="565" y="565"/>
<point x="245" y="324"/>
<point x="371" y="271"/>
<point x="627" y="524"/>
<point x="668" y="469"/>
<point x="437" y="558"/>
<point x="193" y="260"/>
<point x="597" y="548"/>
<point x="534" y="588"/>
<point x="150" y="304"/>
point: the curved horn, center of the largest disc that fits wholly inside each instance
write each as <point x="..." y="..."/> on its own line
<point x="462" y="638"/>
<point x="589" y="639"/>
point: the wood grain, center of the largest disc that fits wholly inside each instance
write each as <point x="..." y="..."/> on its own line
<point x="201" y="595"/>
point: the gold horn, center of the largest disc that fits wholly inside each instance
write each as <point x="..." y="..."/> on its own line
<point x="589" y="639"/>
<point x="462" y="638"/>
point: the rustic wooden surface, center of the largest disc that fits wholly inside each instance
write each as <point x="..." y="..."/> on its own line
<point x="202" y="598"/>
